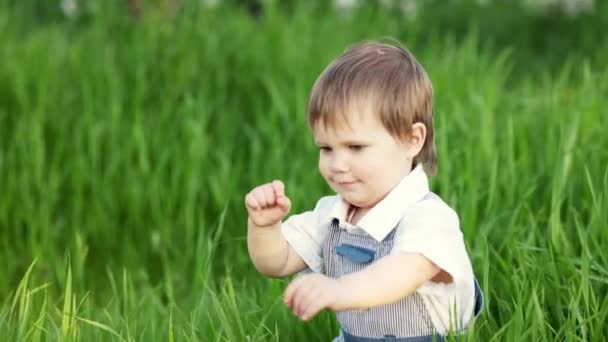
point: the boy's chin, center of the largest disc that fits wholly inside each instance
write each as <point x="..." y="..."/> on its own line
<point x="357" y="202"/>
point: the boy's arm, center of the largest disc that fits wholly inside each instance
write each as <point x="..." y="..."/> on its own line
<point x="270" y="253"/>
<point x="387" y="280"/>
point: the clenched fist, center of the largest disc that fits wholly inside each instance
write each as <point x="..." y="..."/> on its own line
<point x="267" y="204"/>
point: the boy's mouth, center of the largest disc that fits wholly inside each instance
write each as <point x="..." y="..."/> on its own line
<point x="346" y="183"/>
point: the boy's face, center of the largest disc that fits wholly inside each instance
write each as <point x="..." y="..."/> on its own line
<point x="360" y="160"/>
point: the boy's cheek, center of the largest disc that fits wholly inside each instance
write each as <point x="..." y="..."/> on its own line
<point x="323" y="169"/>
<point x="321" y="166"/>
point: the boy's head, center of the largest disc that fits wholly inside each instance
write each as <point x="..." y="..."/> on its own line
<point x="381" y="79"/>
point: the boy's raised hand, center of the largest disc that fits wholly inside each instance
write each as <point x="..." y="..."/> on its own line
<point x="267" y="204"/>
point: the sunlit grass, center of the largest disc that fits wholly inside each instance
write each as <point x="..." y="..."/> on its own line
<point x="126" y="149"/>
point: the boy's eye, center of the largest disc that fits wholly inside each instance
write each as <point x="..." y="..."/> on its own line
<point x="356" y="148"/>
<point x="325" y="148"/>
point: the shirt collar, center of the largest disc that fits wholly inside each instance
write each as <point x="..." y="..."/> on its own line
<point x="384" y="216"/>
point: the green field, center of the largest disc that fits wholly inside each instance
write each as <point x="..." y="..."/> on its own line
<point x="127" y="146"/>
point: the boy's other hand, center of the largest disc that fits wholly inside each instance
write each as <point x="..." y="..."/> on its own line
<point x="311" y="293"/>
<point x="267" y="204"/>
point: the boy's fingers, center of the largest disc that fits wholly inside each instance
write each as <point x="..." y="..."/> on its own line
<point x="284" y="203"/>
<point x="260" y="196"/>
<point x="251" y="202"/>
<point x="310" y="310"/>
<point x="304" y="299"/>
<point x="289" y="292"/>
<point x="287" y="295"/>
<point x="301" y="295"/>
<point x="278" y="187"/>
<point x="269" y="196"/>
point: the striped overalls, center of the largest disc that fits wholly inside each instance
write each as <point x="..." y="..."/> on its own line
<point x="406" y="320"/>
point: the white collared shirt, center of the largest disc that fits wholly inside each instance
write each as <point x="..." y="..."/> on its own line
<point x="426" y="226"/>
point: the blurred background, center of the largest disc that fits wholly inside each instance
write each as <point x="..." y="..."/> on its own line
<point x="130" y="131"/>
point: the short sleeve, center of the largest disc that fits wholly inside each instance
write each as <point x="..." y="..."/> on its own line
<point x="306" y="234"/>
<point x="432" y="229"/>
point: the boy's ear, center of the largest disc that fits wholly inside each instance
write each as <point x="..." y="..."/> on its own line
<point x="416" y="138"/>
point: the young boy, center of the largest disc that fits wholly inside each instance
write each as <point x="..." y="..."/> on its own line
<point x="386" y="254"/>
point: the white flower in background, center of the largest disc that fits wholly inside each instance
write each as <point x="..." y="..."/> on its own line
<point x="409" y="8"/>
<point x="210" y="3"/>
<point x="346" y="5"/>
<point x="155" y="240"/>
<point x="571" y="8"/>
<point x="575" y="7"/>
<point x="69" y="8"/>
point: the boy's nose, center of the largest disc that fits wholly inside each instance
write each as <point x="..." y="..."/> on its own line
<point x="339" y="164"/>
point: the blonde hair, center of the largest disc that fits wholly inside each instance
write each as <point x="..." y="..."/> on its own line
<point x="386" y="79"/>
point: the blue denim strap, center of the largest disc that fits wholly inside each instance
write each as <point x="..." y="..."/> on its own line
<point x="356" y="254"/>
<point x="391" y="338"/>
<point x="479" y="300"/>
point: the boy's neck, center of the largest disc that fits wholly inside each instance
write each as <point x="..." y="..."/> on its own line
<point x="354" y="214"/>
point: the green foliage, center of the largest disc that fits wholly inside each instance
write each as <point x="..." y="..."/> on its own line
<point x="127" y="145"/>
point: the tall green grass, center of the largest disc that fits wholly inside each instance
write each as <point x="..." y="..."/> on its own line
<point x="126" y="148"/>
